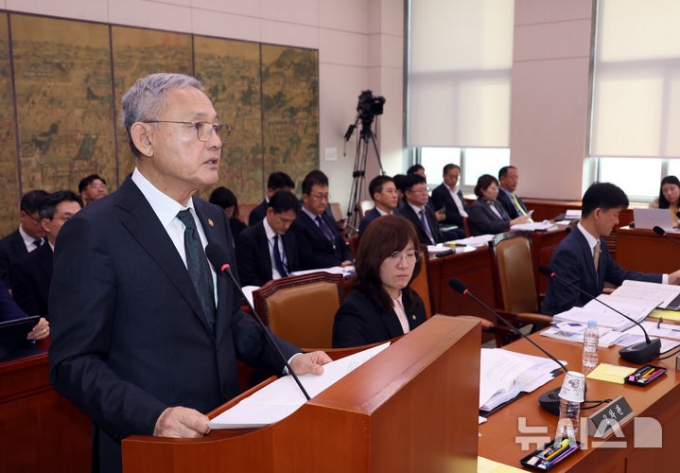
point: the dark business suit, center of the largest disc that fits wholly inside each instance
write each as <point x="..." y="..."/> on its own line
<point x="573" y="261"/>
<point x="12" y="247"/>
<point x="315" y="249"/>
<point x="369" y="217"/>
<point x="359" y="321"/>
<point x="441" y="198"/>
<point x="407" y="212"/>
<point x="506" y="201"/>
<point x="254" y="259"/>
<point x="9" y="310"/>
<point x="483" y="220"/>
<point x="258" y="213"/>
<point x="129" y="336"/>
<point x="31" y="276"/>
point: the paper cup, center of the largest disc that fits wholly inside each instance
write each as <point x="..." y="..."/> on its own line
<point x="574" y="387"/>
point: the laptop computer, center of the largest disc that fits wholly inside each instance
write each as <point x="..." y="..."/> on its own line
<point x="650" y="218"/>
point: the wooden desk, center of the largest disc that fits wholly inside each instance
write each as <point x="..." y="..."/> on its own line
<point x="501" y="436"/>
<point x="472" y="267"/>
<point x="644" y="250"/>
<point x="40" y="430"/>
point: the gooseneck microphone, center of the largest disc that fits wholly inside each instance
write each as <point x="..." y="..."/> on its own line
<point x="638" y="353"/>
<point x="549" y="401"/>
<point x="219" y="258"/>
<point x="662" y="233"/>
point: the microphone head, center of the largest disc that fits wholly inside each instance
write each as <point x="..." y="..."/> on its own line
<point x="546" y="271"/>
<point x="457" y="285"/>
<point x="677" y="214"/>
<point x="218" y="257"/>
<point x="659" y="231"/>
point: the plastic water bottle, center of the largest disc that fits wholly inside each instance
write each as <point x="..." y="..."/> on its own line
<point x="591" y="341"/>
<point x="571" y="395"/>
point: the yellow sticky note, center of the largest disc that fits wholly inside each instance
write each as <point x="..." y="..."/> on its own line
<point x="666" y="315"/>
<point x="611" y="373"/>
<point x="484" y="465"/>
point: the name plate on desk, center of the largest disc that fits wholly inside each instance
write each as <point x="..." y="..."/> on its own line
<point x="603" y="422"/>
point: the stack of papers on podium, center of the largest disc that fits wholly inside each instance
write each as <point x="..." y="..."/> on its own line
<point x="634" y="308"/>
<point x="279" y="399"/>
<point x="505" y="374"/>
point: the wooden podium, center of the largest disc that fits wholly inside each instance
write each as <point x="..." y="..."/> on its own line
<point x="413" y="407"/>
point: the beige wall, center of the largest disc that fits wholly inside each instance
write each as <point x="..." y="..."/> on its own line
<point x="360" y="45"/>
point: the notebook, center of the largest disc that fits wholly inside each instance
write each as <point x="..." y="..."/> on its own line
<point x="650" y="218"/>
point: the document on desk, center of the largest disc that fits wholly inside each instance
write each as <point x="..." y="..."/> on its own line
<point x="346" y="271"/>
<point x="665" y="294"/>
<point x="543" y="226"/>
<point x="634" y="308"/>
<point x="279" y="399"/>
<point x="504" y="374"/>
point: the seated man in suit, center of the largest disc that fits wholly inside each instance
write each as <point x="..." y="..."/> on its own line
<point x="583" y="258"/>
<point x="416" y="210"/>
<point x="447" y="196"/>
<point x="278" y="181"/>
<point x="28" y="237"/>
<point x="92" y="188"/>
<point x="9" y="310"/>
<point x="32" y="273"/>
<point x="268" y="250"/>
<point x="384" y="194"/>
<point x="319" y="241"/>
<point x="511" y="202"/>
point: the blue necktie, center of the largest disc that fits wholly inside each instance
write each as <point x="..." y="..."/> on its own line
<point x="324" y="228"/>
<point x="425" y="224"/>
<point x="198" y="268"/>
<point x="280" y="267"/>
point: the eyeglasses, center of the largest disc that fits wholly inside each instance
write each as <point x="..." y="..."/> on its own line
<point x="422" y="190"/>
<point x="204" y="130"/>
<point x="321" y="197"/>
<point x="409" y="256"/>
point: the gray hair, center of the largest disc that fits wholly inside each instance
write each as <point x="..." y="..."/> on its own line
<point x="146" y="98"/>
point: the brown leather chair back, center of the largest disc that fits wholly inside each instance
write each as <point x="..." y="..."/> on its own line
<point x="301" y="309"/>
<point x="466" y="227"/>
<point x="514" y="271"/>
<point x="421" y="283"/>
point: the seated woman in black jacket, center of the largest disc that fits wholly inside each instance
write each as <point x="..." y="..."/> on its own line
<point x="486" y="214"/>
<point x="381" y="305"/>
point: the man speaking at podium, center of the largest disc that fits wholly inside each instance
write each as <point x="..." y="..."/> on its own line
<point x="145" y="334"/>
<point x="583" y="258"/>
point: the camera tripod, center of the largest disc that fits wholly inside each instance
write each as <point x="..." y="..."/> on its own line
<point x="366" y="138"/>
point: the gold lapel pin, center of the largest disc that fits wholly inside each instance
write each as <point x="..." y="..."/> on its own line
<point x="413" y="316"/>
<point x="210" y="222"/>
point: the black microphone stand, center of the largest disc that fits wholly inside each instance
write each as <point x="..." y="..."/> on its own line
<point x="550" y="401"/>
<point x="219" y="259"/>
<point x="638" y="353"/>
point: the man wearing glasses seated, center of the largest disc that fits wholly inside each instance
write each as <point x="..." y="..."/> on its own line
<point x="319" y="241"/>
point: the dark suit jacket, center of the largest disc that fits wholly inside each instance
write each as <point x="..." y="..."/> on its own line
<point x="573" y="261"/>
<point x="31" y="276"/>
<point x="483" y="220"/>
<point x="315" y="250"/>
<point x="359" y="321"/>
<point x="9" y="310"/>
<point x="441" y="198"/>
<point x="407" y="212"/>
<point x="508" y="205"/>
<point x="252" y="253"/>
<point x="12" y="247"/>
<point x="129" y="338"/>
<point x="258" y="213"/>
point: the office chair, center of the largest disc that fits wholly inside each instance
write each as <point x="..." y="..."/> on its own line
<point x="301" y="309"/>
<point x="516" y="296"/>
